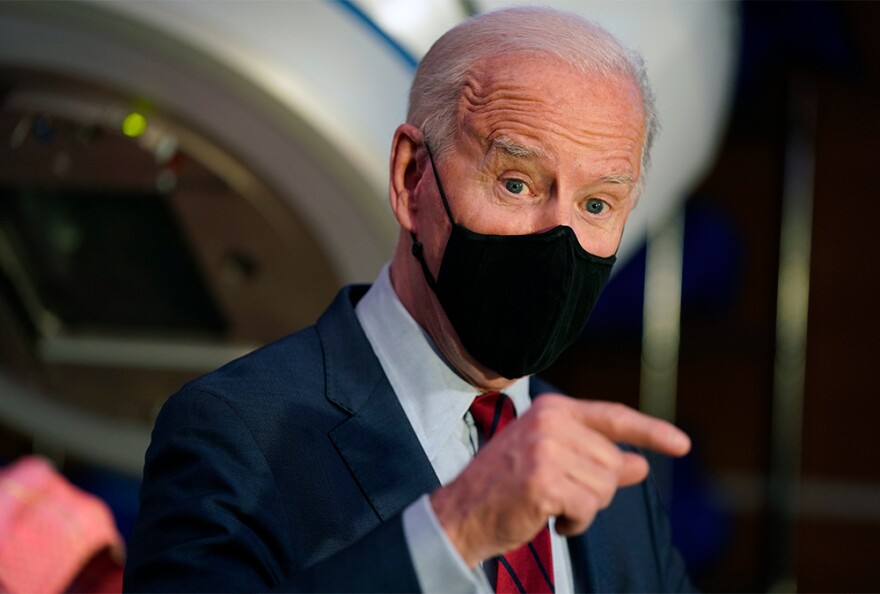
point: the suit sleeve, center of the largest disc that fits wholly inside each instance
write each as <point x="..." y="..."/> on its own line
<point x="213" y="520"/>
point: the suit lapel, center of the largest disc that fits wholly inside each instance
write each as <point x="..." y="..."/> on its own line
<point x="384" y="454"/>
<point x="590" y="564"/>
<point x="377" y="442"/>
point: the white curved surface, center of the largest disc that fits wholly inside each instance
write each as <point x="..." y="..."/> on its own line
<point x="314" y="57"/>
<point x="277" y="116"/>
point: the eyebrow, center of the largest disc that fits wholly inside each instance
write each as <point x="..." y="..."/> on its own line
<point x="618" y="178"/>
<point x="510" y="148"/>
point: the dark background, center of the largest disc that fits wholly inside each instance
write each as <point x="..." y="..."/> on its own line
<point x="723" y="521"/>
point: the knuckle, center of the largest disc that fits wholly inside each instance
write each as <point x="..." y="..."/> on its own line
<point x="547" y="400"/>
<point x="617" y="459"/>
<point x="542" y="418"/>
<point x="534" y="490"/>
<point x="549" y="404"/>
<point x="588" y="507"/>
<point x="544" y="449"/>
<point x="618" y="416"/>
<point x="605" y="493"/>
<point x="539" y="404"/>
<point x="549" y="505"/>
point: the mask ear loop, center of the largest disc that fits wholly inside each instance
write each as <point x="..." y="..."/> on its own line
<point x="418" y="249"/>
<point x="439" y="185"/>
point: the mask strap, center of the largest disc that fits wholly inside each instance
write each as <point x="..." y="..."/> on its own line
<point x="439" y="185"/>
<point x="418" y="250"/>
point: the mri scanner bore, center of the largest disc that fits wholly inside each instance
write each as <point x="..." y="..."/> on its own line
<point x="134" y="254"/>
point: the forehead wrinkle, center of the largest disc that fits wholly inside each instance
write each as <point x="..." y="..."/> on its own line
<point x="491" y="108"/>
<point x="479" y="99"/>
<point x="507" y="111"/>
<point x="500" y="104"/>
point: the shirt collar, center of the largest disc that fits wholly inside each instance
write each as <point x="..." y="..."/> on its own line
<point x="434" y="398"/>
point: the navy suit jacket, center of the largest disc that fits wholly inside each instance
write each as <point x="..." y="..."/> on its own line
<point x="288" y="470"/>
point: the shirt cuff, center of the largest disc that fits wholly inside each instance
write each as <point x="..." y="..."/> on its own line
<point x="438" y="565"/>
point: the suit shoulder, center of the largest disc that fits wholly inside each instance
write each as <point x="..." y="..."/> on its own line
<point x="290" y="365"/>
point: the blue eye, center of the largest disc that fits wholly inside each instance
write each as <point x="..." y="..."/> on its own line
<point x="515" y="186"/>
<point x="594" y="206"/>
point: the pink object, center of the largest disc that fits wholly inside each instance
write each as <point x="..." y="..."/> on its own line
<point x="53" y="536"/>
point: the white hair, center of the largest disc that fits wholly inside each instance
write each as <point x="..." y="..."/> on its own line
<point x="585" y="46"/>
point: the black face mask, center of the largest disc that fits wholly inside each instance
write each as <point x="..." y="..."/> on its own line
<point x="516" y="301"/>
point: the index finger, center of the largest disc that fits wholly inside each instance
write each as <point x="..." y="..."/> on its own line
<point x="623" y="424"/>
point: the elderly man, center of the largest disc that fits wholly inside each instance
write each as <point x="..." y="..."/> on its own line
<point x="402" y="443"/>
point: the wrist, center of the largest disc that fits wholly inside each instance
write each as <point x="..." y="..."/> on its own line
<point x="452" y="516"/>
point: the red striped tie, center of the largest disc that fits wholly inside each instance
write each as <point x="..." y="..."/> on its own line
<point x="530" y="567"/>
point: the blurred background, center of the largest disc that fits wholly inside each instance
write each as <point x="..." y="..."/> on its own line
<point x="181" y="182"/>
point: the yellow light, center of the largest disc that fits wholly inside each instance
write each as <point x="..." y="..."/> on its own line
<point x="134" y="125"/>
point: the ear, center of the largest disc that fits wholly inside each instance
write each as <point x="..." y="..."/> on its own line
<point x="405" y="174"/>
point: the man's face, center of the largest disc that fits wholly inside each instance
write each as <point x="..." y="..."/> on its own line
<point x="539" y="145"/>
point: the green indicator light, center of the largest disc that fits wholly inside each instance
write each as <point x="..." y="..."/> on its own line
<point x="134" y="125"/>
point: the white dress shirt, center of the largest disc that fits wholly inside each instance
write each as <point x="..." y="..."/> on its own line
<point x="436" y="402"/>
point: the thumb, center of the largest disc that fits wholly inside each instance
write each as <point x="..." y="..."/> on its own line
<point x="635" y="469"/>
